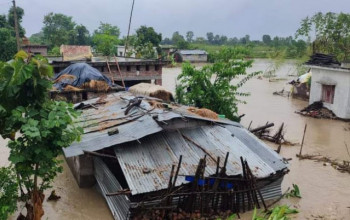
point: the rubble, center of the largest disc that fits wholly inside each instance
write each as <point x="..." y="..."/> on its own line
<point x="316" y="110"/>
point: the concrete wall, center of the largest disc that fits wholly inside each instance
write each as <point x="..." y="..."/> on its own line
<point x="195" y="57"/>
<point x="332" y="76"/>
<point x="42" y="50"/>
<point x="82" y="168"/>
<point x="135" y="72"/>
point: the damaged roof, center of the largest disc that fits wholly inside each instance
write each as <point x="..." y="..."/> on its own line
<point x="147" y="166"/>
<point x="106" y="113"/>
<point x="150" y="140"/>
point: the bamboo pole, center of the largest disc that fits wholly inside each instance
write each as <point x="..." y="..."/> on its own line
<point x="302" y="142"/>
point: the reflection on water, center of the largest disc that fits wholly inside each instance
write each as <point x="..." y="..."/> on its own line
<point x="325" y="191"/>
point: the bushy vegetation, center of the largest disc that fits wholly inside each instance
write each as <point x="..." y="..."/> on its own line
<point x="45" y="126"/>
<point x="211" y="86"/>
<point x="8" y="45"/>
<point x="332" y="33"/>
<point x="8" y="192"/>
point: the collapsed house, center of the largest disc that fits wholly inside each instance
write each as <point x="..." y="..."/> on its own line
<point x="148" y="159"/>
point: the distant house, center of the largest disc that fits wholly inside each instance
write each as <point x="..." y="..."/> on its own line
<point x="193" y="56"/>
<point x="330" y="84"/>
<point x="130" y="52"/>
<point x="121" y="51"/>
<point x="35" y="49"/>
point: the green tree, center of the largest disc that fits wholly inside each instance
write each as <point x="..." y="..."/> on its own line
<point x="197" y="88"/>
<point x="177" y="37"/>
<point x="108" y="29"/>
<point x="8" y="45"/>
<point x="11" y="20"/>
<point x="105" y="39"/>
<point x="57" y="29"/>
<point x="45" y="126"/>
<point x="332" y="33"/>
<point x="37" y="38"/>
<point x="79" y="35"/>
<point x="3" y="22"/>
<point x="266" y="39"/>
<point x="148" y="35"/>
<point x="189" y="36"/>
<point x="210" y="37"/>
<point x="167" y="41"/>
<point x="179" y="41"/>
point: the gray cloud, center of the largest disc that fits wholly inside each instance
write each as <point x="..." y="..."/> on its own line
<point x="228" y="17"/>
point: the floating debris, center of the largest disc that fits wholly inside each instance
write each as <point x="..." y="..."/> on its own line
<point x="343" y="166"/>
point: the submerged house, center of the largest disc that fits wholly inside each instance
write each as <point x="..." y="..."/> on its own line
<point x="193" y="56"/>
<point x="330" y="84"/>
<point x="147" y="157"/>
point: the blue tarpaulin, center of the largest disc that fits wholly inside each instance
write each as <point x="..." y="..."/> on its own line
<point x="83" y="73"/>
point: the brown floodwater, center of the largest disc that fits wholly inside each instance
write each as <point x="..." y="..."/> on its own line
<point x="325" y="191"/>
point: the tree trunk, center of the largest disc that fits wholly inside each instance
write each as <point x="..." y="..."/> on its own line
<point x="37" y="199"/>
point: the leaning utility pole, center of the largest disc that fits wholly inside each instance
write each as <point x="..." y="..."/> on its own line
<point x="16" y="25"/>
<point x="127" y="37"/>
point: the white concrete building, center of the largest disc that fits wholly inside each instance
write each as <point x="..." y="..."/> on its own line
<point x="331" y="85"/>
<point x="121" y="49"/>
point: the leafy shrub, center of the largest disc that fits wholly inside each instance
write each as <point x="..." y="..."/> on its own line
<point x="196" y="87"/>
<point x="8" y="192"/>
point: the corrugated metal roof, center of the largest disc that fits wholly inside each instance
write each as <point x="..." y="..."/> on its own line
<point x="193" y="52"/>
<point x="159" y="152"/>
<point x="109" y="115"/>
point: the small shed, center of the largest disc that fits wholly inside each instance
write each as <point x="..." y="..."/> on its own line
<point x="193" y="56"/>
<point x="330" y="84"/>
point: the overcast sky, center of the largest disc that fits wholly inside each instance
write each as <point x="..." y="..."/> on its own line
<point x="227" y="17"/>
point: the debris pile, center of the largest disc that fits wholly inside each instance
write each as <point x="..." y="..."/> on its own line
<point x="316" y="110"/>
<point x="323" y="60"/>
<point x="264" y="132"/>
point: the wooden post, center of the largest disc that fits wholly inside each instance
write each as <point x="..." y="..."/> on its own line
<point x="120" y="73"/>
<point x="250" y="125"/>
<point x="127" y="36"/>
<point x="302" y="142"/>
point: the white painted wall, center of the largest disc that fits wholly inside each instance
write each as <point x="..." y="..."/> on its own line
<point x="341" y="79"/>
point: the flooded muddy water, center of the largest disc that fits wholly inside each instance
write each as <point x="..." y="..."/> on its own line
<point x="325" y="191"/>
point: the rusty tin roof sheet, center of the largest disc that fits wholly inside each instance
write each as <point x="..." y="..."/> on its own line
<point x="147" y="166"/>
